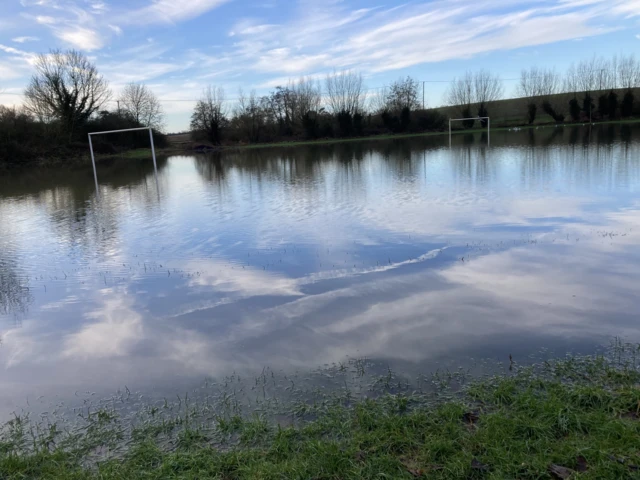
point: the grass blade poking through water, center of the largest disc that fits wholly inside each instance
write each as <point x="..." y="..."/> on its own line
<point x="578" y="417"/>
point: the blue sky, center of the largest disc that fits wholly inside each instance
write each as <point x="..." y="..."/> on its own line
<point x="177" y="47"/>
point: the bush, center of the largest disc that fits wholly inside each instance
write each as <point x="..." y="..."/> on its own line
<point x="23" y="139"/>
<point x="430" y="120"/>
<point x="574" y="109"/>
<point x="358" y="123"/>
<point x="405" y="119"/>
<point x="603" y="105"/>
<point x="345" y="124"/>
<point x="549" y="110"/>
<point x="106" y="121"/>
<point x="327" y="130"/>
<point x="626" y="108"/>
<point x="613" y="104"/>
<point x="587" y="105"/>
<point x="466" y="113"/>
<point x="390" y="121"/>
<point x="532" y="109"/>
<point x="483" y="112"/>
<point x="310" y="125"/>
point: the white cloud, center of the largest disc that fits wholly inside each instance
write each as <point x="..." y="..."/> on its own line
<point x="40" y="3"/>
<point x="170" y="11"/>
<point x="117" y="329"/>
<point x="116" y="29"/>
<point x="82" y="38"/>
<point x="24" y="39"/>
<point x="330" y="35"/>
<point x="99" y="7"/>
<point x="46" y="20"/>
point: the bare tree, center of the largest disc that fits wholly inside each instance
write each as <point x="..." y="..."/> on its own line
<point x="67" y="87"/>
<point x="549" y="83"/>
<point x="571" y="83"/>
<point x="210" y="115"/>
<point x="628" y="76"/>
<point x="377" y="101"/>
<point x="142" y="105"/>
<point x="538" y="85"/>
<point x="251" y="115"/>
<point x="403" y="93"/>
<point x="308" y="97"/>
<point x="461" y="94"/>
<point x="588" y="74"/>
<point x="487" y="87"/>
<point x="345" y="92"/>
<point x="537" y="82"/>
<point x="480" y="88"/>
<point x="529" y="88"/>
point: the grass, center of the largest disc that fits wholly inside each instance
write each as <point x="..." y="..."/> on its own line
<point x="330" y="141"/>
<point x="577" y="417"/>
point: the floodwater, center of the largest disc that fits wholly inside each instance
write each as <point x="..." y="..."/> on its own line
<point x="405" y="251"/>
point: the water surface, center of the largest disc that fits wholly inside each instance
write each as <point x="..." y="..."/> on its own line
<point x="404" y="251"/>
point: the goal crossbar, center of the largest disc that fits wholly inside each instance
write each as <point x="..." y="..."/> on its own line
<point x="488" y="119"/>
<point x="93" y="158"/>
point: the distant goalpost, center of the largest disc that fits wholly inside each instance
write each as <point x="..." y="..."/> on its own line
<point x="93" y="158"/>
<point x="488" y="119"/>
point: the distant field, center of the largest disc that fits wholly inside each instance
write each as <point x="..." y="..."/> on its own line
<point x="512" y="112"/>
<point x="179" y="139"/>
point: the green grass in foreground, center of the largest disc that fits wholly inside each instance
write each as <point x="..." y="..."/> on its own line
<point x="571" y="418"/>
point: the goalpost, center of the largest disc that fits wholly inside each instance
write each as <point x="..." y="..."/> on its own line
<point x="472" y="118"/>
<point x="93" y="159"/>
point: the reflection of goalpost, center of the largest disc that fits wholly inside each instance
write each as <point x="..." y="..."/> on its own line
<point x="473" y="118"/>
<point x="153" y="150"/>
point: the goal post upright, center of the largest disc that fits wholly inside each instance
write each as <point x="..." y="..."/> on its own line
<point x="93" y="158"/>
<point x="488" y="119"/>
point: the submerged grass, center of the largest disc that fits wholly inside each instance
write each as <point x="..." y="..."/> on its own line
<point x="577" y="417"/>
<point x="146" y="153"/>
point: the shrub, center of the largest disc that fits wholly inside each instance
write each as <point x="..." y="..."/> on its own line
<point x="430" y="120"/>
<point x="626" y="108"/>
<point x="345" y="125"/>
<point x="613" y="104"/>
<point x="405" y="119"/>
<point x="532" y="109"/>
<point x="358" y="123"/>
<point x="466" y="113"/>
<point x="574" y="109"/>
<point x="310" y="125"/>
<point x="587" y="105"/>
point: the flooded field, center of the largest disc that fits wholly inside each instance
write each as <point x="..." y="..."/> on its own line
<point x="405" y="252"/>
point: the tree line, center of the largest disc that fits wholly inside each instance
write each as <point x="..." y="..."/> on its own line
<point x="341" y="106"/>
<point x="67" y="97"/>
<point x="338" y="106"/>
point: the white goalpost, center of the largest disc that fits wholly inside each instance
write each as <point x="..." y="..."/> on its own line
<point x="472" y="118"/>
<point x="93" y="158"/>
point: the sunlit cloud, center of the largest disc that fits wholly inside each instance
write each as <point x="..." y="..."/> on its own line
<point x="81" y="38"/>
<point x="111" y="331"/>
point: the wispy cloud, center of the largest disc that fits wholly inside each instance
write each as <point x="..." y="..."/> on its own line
<point x="260" y="47"/>
<point x="24" y="39"/>
<point x="330" y="35"/>
<point x="170" y="11"/>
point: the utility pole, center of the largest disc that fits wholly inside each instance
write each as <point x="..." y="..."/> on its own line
<point x="118" y="102"/>
<point x="423" y="94"/>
